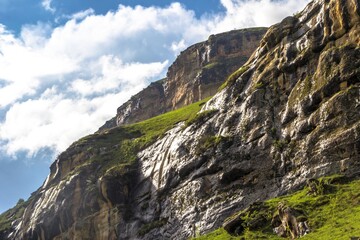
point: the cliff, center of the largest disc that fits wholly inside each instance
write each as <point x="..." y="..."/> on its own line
<point x="196" y="74"/>
<point x="290" y="114"/>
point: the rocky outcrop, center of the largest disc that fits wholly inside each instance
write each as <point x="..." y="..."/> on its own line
<point x="286" y="221"/>
<point x="141" y="106"/>
<point x="196" y="74"/>
<point x="289" y="223"/>
<point x="292" y="115"/>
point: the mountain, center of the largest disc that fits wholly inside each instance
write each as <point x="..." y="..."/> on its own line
<point x="288" y="116"/>
<point x="196" y="74"/>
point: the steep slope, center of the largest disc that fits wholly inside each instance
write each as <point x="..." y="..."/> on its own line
<point x="332" y="211"/>
<point x="196" y="74"/>
<point x="291" y="114"/>
<point x="88" y="194"/>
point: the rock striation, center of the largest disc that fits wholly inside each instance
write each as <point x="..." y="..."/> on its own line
<point x="196" y="74"/>
<point x="291" y="114"/>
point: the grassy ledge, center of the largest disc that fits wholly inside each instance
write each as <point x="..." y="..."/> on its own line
<point x="232" y="78"/>
<point x="332" y="213"/>
<point x="12" y="214"/>
<point x="114" y="150"/>
<point x="117" y="148"/>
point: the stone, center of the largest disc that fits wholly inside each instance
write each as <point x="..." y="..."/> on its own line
<point x="196" y="74"/>
<point x="290" y="225"/>
<point x="287" y="115"/>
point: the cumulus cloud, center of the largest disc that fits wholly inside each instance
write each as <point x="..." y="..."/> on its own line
<point x="248" y="13"/>
<point x="55" y="121"/>
<point x="59" y="84"/>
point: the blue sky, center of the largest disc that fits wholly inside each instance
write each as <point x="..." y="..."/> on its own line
<point x="33" y="11"/>
<point x="65" y="66"/>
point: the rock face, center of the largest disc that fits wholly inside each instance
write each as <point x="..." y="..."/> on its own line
<point x="286" y="221"/>
<point x="294" y="114"/>
<point x="196" y="74"/>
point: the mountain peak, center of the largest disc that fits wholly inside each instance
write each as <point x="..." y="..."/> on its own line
<point x="196" y="74"/>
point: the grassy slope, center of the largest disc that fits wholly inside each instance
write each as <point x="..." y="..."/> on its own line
<point x="10" y="215"/>
<point x="122" y="144"/>
<point x="335" y="214"/>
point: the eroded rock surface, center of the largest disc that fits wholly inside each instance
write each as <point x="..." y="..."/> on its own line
<point x="294" y="114"/>
<point x="196" y="74"/>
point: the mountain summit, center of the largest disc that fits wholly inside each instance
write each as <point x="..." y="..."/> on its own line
<point x="289" y="115"/>
<point x="196" y="74"/>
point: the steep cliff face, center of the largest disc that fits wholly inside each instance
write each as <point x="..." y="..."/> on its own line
<point x="196" y="74"/>
<point x="292" y="113"/>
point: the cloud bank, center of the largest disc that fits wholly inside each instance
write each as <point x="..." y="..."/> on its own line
<point x="59" y="84"/>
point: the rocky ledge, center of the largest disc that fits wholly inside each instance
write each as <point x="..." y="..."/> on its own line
<point x="196" y="74"/>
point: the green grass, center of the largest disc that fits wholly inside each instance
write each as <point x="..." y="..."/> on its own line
<point x="211" y="65"/>
<point x="115" y="150"/>
<point x="207" y="142"/>
<point x="12" y="214"/>
<point x="201" y="117"/>
<point x="232" y="78"/>
<point x="333" y="214"/>
<point x="219" y="234"/>
<point x="259" y="85"/>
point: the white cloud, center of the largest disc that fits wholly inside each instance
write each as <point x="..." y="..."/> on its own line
<point x="229" y="6"/>
<point x="61" y="83"/>
<point x="115" y="75"/>
<point x="178" y="46"/>
<point x="55" y="121"/>
<point x="47" y="6"/>
<point x="83" y="14"/>
<point x="249" y="13"/>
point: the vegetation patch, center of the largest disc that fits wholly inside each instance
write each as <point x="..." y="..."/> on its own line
<point x="201" y="117"/>
<point x="115" y="150"/>
<point x="280" y="144"/>
<point x="113" y="153"/>
<point x="259" y="85"/>
<point x="11" y="215"/>
<point x="331" y="213"/>
<point x="208" y="142"/>
<point x="211" y="65"/>
<point x="301" y="90"/>
<point x="232" y="78"/>
<point x="146" y="228"/>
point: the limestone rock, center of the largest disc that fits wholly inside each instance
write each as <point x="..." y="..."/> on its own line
<point x="251" y="218"/>
<point x="293" y="113"/>
<point x="196" y="74"/>
<point x="292" y="223"/>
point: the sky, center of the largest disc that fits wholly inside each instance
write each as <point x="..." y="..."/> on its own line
<point x="65" y="67"/>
